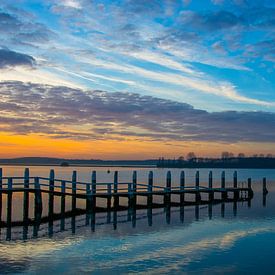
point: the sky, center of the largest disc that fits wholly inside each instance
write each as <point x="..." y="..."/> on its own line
<point x="136" y="79"/>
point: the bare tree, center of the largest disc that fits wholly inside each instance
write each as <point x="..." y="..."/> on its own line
<point x="190" y="156"/>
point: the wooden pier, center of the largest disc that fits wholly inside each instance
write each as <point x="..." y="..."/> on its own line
<point x="112" y="193"/>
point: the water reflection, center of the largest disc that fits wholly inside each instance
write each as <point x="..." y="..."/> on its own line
<point x="74" y="221"/>
<point x="224" y="237"/>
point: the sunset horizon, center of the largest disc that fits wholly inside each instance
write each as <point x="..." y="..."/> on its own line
<point x="136" y="79"/>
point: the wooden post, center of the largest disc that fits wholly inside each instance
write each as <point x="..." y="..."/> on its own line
<point x="134" y="185"/>
<point x="88" y="198"/>
<point x="210" y="186"/>
<point x="109" y="199"/>
<point x="224" y="193"/>
<point x="74" y="180"/>
<point x="1" y="186"/>
<point x="51" y="196"/>
<point x="116" y="198"/>
<point x="182" y="186"/>
<point x="223" y="180"/>
<point x="265" y="191"/>
<point x="249" y="186"/>
<point x="26" y="195"/>
<point x="94" y="190"/>
<point x="167" y="196"/>
<point x="9" y="208"/>
<point x="63" y="204"/>
<point x="198" y="195"/>
<point x="197" y="180"/>
<point x="150" y="189"/>
<point x="37" y="201"/>
<point x="235" y="185"/>
<point x="130" y="200"/>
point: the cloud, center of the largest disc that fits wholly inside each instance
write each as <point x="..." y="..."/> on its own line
<point x="10" y="59"/>
<point x="62" y="112"/>
<point x="20" y="28"/>
<point x="209" y="21"/>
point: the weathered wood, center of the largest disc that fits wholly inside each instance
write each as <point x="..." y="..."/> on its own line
<point x="198" y="195"/>
<point x="223" y="179"/>
<point x="235" y="185"/>
<point x="210" y="186"/>
<point x="63" y="202"/>
<point x="26" y="194"/>
<point x="89" y="198"/>
<point x="93" y="190"/>
<point x="182" y="186"/>
<point x="134" y="190"/>
<point x="1" y="186"/>
<point x="116" y="198"/>
<point x="167" y="196"/>
<point x="109" y="198"/>
<point x="37" y="200"/>
<point x="51" y="195"/>
<point x="9" y="202"/>
<point x="224" y="193"/>
<point x="150" y="189"/>
<point x="74" y="180"/>
<point x="249" y="186"/>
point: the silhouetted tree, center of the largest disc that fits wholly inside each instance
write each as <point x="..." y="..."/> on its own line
<point x="191" y="156"/>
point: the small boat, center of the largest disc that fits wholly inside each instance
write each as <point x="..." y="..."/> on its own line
<point x="108" y="171"/>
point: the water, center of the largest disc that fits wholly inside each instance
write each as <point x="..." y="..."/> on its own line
<point x="195" y="239"/>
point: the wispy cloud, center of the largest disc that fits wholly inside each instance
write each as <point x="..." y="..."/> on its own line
<point x="59" y="112"/>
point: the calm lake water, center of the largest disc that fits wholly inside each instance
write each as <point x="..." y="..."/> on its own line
<point x="228" y="239"/>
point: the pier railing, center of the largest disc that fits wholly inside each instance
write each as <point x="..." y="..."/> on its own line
<point x="111" y="192"/>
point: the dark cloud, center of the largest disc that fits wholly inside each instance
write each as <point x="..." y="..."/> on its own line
<point x="210" y="21"/>
<point x="59" y="111"/>
<point x="10" y="58"/>
<point x="22" y="29"/>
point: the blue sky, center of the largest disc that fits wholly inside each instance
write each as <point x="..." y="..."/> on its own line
<point x="214" y="55"/>
<point x="174" y="74"/>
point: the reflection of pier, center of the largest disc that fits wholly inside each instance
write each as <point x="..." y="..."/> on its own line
<point x="112" y="194"/>
<point x="73" y="222"/>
